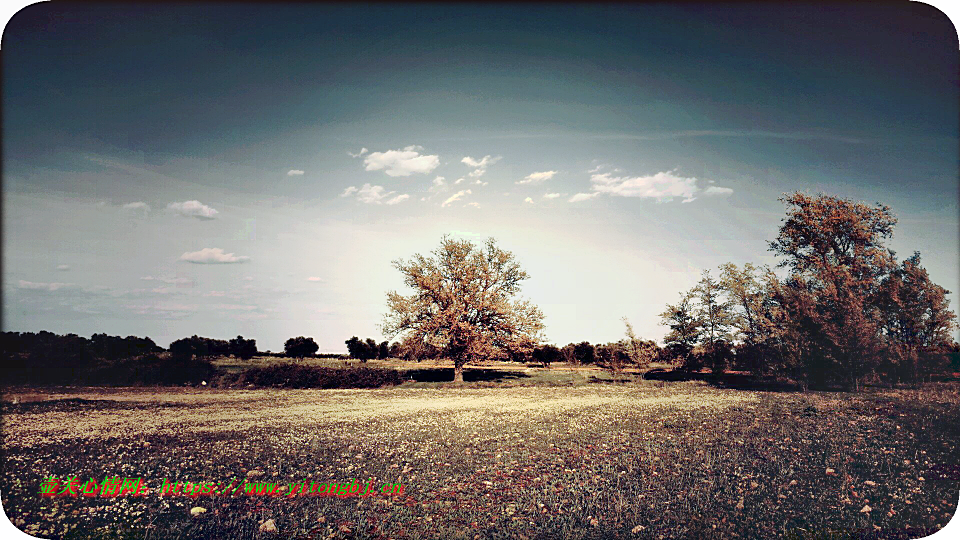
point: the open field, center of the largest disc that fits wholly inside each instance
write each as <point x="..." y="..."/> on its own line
<point x="646" y="459"/>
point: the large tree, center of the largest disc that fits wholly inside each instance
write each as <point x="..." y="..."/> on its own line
<point x="835" y="251"/>
<point x="464" y="303"/>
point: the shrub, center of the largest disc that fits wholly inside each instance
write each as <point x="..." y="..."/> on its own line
<point x="300" y="376"/>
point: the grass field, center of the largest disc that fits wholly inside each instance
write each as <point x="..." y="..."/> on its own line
<point x="584" y="460"/>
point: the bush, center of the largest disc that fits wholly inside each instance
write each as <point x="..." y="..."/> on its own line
<point x="546" y="354"/>
<point x="151" y="369"/>
<point x="300" y="376"/>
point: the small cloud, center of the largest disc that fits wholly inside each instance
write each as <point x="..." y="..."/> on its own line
<point x="369" y="194"/>
<point x="294" y="172"/>
<point x="537" y="177"/>
<point x="178" y="281"/>
<point x="479" y="183"/>
<point x="316" y="279"/>
<point x="401" y="162"/>
<point x="215" y="294"/>
<point x="473" y="204"/>
<point x="63" y="267"/>
<point x="717" y="191"/>
<point x="528" y="200"/>
<point x="551" y="195"/>
<point x="138" y="207"/>
<point x="458" y="181"/>
<point x="456" y="197"/>
<point x="479" y="166"/>
<point x="582" y="197"/>
<point x="35" y="286"/>
<point x="212" y="256"/>
<point x="663" y="186"/>
<point x="358" y="154"/>
<point x="195" y="209"/>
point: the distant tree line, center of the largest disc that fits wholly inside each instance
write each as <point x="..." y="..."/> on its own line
<point x="848" y="312"/>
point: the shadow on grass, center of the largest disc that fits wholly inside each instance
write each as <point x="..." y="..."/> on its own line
<point x="469" y="375"/>
<point x="733" y="381"/>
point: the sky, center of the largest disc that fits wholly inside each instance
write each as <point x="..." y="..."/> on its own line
<point x="253" y="169"/>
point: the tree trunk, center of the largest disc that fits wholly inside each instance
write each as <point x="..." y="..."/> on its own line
<point x="457" y="372"/>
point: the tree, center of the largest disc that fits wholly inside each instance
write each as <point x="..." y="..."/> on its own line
<point x="383" y="351"/>
<point x="751" y="309"/>
<point x="916" y="321"/>
<point x="244" y="349"/>
<point x="585" y="353"/>
<point x="641" y="352"/>
<point x="716" y="320"/>
<point x="546" y="355"/>
<point x="834" y="249"/>
<point x="685" y="327"/>
<point x="300" y="347"/>
<point x="464" y="303"/>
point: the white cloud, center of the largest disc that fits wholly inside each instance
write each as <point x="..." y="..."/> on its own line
<point x="369" y="194"/>
<point x="316" y="279"/>
<point x="358" y="154"/>
<point x="456" y="197"/>
<point x="473" y="204"/>
<point x="294" y="172"/>
<point x="551" y="195"/>
<point x="63" y="267"/>
<point x="402" y="162"/>
<point x="663" y="186"/>
<point x="212" y="256"/>
<point x="714" y="190"/>
<point x="582" y="197"/>
<point x="138" y="207"/>
<point x="215" y="294"/>
<point x="528" y="200"/>
<point x="194" y="209"/>
<point x="179" y="281"/>
<point x="479" y="167"/>
<point x="34" y="286"/>
<point x="537" y="177"/>
<point x="479" y="183"/>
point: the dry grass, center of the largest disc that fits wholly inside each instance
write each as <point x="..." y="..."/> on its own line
<point x="593" y="461"/>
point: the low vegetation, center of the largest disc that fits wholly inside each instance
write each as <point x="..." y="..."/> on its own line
<point x="647" y="459"/>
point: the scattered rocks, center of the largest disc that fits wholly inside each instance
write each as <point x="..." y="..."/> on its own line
<point x="870" y="483"/>
<point x="268" y="526"/>
<point x="793" y="482"/>
<point x="254" y="472"/>
<point x="830" y="472"/>
<point x="754" y="485"/>
<point x="637" y="529"/>
<point x="197" y="510"/>
<point x="866" y="509"/>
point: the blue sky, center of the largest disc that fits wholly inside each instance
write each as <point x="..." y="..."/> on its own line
<point x="247" y="169"/>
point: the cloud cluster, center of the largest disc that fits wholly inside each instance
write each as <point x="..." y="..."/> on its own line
<point x="479" y="166"/>
<point x="212" y="256"/>
<point x="194" y="209"/>
<point x="663" y="186"/>
<point x="294" y="172"/>
<point x="537" y="177"/>
<point x="374" y="195"/>
<point x="401" y="162"/>
<point x="358" y="154"/>
<point x="551" y="195"/>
